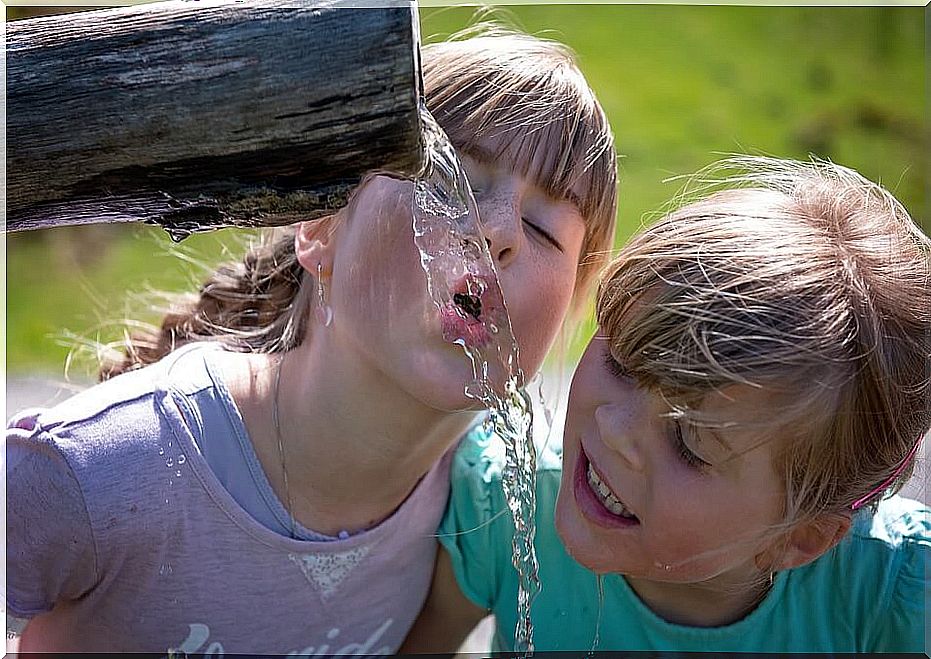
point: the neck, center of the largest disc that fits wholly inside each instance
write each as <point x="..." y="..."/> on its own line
<point x="354" y="446"/>
<point x="711" y="603"/>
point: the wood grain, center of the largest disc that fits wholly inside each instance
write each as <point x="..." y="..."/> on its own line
<point x="208" y="113"/>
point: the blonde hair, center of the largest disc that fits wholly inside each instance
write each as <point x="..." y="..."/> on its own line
<point x="497" y="82"/>
<point x="804" y="279"/>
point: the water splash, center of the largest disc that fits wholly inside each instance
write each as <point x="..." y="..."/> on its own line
<point x="463" y="283"/>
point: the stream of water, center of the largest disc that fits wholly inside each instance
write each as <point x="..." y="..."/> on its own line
<point x="463" y="284"/>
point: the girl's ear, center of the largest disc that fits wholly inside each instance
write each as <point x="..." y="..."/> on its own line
<point x="809" y="540"/>
<point x="314" y="244"/>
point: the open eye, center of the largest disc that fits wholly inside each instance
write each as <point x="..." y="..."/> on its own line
<point x="542" y="233"/>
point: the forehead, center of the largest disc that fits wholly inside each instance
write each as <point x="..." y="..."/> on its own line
<point x="513" y="156"/>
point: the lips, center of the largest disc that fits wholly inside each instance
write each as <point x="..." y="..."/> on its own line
<point x="596" y="500"/>
<point x="469" y="317"/>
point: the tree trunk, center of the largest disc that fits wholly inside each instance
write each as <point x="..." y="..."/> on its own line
<point x="211" y="113"/>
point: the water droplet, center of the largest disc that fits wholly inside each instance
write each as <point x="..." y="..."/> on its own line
<point x="161" y="451"/>
<point x="169" y="462"/>
<point x="178" y="473"/>
<point x="181" y="459"/>
<point x="177" y="234"/>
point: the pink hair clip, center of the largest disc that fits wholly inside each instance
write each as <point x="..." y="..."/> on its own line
<point x="889" y="481"/>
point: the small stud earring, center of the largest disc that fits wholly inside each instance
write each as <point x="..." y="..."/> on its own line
<point x="323" y="312"/>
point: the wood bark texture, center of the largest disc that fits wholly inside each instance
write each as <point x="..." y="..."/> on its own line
<point x="201" y="114"/>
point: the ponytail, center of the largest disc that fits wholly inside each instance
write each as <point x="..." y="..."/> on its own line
<point x="259" y="304"/>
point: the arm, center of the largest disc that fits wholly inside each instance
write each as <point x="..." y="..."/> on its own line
<point x="51" y="554"/>
<point x="447" y="616"/>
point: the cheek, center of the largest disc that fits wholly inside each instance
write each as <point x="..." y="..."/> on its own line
<point x="708" y="524"/>
<point x="378" y="254"/>
<point x="538" y="302"/>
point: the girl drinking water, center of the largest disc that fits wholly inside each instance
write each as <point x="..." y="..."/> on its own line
<point x="266" y="472"/>
<point x="759" y="383"/>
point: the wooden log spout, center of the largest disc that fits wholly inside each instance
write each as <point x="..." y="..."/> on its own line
<point x="198" y="114"/>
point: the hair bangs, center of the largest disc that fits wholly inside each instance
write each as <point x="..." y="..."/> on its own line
<point x="687" y="318"/>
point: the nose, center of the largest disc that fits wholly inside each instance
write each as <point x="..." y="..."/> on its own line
<point x="621" y="430"/>
<point x="500" y="211"/>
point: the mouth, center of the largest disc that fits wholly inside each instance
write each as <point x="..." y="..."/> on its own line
<point x="596" y="500"/>
<point x="465" y="318"/>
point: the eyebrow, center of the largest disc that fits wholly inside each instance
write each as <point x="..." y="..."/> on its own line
<point x="478" y="152"/>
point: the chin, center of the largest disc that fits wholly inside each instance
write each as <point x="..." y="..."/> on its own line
<point x="453" y="405"/>
<point x="574" y="533"/>
<point x="584" y="555"/>
<point x="568" y="525"/>
<point x="446" y="394"/>
<point x="460" y="375"/>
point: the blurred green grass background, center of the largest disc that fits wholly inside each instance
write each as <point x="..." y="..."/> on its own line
<point x="682" y="85"/>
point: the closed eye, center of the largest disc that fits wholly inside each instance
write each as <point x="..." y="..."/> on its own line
<point x="687" y="455"/>
<point x="543" y="234"/>
<point x="617" y="369"/>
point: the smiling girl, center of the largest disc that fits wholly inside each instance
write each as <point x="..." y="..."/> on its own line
<point x="265" y="472"/>
<point x="760" y="380"/>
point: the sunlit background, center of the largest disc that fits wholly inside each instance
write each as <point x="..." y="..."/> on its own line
<point x="682" y="85"/>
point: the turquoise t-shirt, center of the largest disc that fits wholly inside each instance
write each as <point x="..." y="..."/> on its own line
<point x="868" y="594"/>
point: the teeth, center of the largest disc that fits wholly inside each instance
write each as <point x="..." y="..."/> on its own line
<point x="608" y="499"/>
